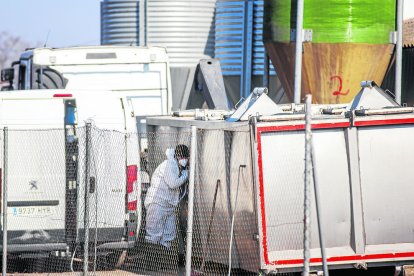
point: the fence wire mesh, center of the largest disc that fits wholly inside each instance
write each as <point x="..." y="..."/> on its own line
<point x="91" y="194"/>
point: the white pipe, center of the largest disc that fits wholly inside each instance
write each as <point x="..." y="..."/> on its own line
<point x="307" y="188"/>
<point x="398" y="60"/>
<point x="5" y="184"/>
<point x="142" y="25"/>
<point x="298" y="53"/>
<point x="184" y="113"/>
<point x="193" y="157"/>
<point x="385" y="111"/>
<point x="284" y="117"/>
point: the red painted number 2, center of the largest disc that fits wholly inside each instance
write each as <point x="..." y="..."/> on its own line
<point x="339" y="92"/>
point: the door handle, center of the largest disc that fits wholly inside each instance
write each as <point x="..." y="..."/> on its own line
<point x="92" y="184"/>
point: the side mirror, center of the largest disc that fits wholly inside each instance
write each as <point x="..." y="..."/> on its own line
<point x="7" y="74"/>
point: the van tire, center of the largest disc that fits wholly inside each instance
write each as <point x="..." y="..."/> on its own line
<point x="121" y="259"/>
<point x="111" y="260"/>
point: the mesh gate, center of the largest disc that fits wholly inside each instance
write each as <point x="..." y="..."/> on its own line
<point x="78" y="203"/>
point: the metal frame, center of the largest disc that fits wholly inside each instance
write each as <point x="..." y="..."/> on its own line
<point x="247" y="62"/>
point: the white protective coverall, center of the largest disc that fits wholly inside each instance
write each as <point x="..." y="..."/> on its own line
<point x="162" y="199"/>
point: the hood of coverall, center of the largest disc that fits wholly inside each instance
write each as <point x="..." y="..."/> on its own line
<point x="170" y="153"/>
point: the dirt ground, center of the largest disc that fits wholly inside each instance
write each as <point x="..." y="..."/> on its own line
<point x="97" y="273"/>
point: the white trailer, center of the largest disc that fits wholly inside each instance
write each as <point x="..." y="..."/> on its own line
<point x="46" y="170"/>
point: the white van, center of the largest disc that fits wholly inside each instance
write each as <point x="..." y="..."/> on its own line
<point x="140" y="74"/>
<point x="46" y="168"/>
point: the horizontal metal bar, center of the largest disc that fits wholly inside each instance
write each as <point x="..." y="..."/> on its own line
<point x="33" y="203"/>
<point x="384" y="111"/>
<point x="15" y="248"/>
<point x="116" y="245"/>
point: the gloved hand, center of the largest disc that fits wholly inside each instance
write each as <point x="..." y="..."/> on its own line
<point x="184" y="173"/>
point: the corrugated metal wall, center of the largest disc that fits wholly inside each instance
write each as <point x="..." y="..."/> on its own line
<point x="232" y="29"/>
<point x="185" y="28"/>
<point x="120" y="22"/>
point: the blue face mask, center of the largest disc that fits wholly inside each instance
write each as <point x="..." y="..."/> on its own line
<point x="183" y="162"/>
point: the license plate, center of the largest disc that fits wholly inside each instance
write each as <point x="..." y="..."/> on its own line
<point x="32" y="211"/>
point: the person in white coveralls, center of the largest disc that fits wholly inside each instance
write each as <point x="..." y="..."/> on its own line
<point x="164" y="195"/>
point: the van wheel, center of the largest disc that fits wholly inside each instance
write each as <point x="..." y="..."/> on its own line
<point x="121" y="259"/>
<point x="112" y="260"/>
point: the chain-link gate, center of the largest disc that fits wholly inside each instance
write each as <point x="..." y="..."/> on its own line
<point x="60" y="184"/>
<point x="84" y="201"/>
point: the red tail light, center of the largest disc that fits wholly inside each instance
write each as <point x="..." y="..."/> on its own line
<point x="132" y="206"/>
<point x="62" y="95"/>
<point x="131" y="177"/>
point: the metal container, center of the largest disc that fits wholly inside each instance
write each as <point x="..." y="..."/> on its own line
<point x="260" y="168"/>
<point x="120" y="22"/>
<point x="345" y="42"/>
<point x="185" y="28"/>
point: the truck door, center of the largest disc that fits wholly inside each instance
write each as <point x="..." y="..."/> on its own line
<point x="24" y="74"/>
<point x="36" y="172"/>
<point x="134" y="207"/>
<point x="107" y="166"/>
<point x="71" y="155"/>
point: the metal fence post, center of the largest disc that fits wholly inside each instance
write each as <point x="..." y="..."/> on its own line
<point x="193" y="158"/>
<point x="298" y="52"/>
<point x="86" y="208"/>
<point x="307" y="190"/>
<point x="398" y="51"/>
<point x="266" y="70"/>
<point x="247" y="61"/>
<point x="5" y="173"/>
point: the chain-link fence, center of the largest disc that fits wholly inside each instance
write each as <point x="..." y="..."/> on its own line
<point x="71" y="198"/>
<point x="92" y="200"/>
